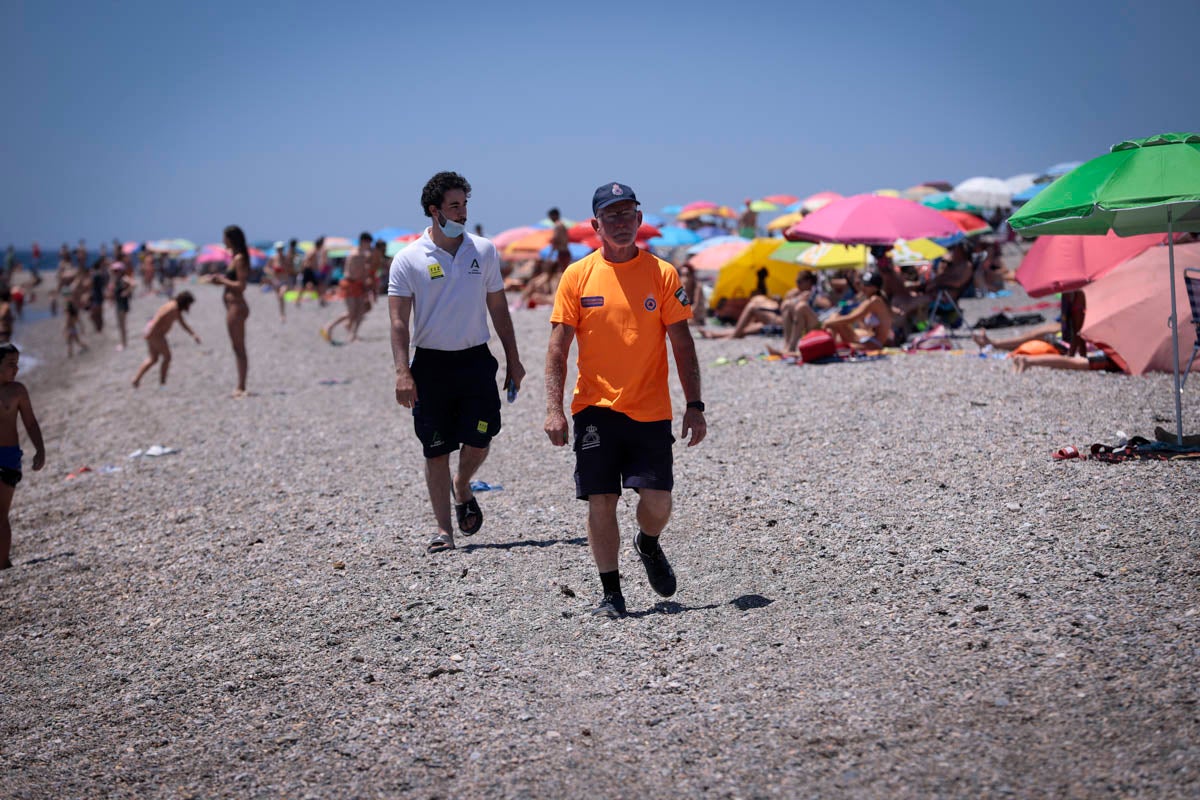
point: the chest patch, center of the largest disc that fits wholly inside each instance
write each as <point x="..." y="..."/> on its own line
<point x="650" y="303"/>
<point x="474" y="270"/>
<point x="435" y="271"/>
<point x="594" y="301"/>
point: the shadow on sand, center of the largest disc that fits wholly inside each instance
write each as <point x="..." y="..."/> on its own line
<point x="467" y="548"/>
<point x="43" y="559"/>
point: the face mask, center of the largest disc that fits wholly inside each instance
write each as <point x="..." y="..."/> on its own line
<point x="450" y="228"/>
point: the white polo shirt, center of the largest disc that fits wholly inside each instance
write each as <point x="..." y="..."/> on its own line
<point x="449" y="291"/>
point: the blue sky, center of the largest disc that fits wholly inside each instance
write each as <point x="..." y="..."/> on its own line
<point x="159" y="119"/>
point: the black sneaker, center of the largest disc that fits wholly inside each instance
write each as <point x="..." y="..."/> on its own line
<point x="612" y="606"/>
<point x="658" y="570"/>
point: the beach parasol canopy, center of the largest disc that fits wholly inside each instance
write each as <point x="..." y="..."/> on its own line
<point x="872" y="219"/>
<point x="782" y="199"/>
<point x="674" y="236"/>
<point x="711" y="259"/>
<point x="785" y="221"/>
<point x="969" y="224"/>
<point x="818" y="200"/>
<point x="1149" y="185"/>
<point x="1125" y="309"/>
<point x="908" y="253"/>
<point x="1066" y="263"/>
<point x="834" y="256"/>
<point x="983" y="192"/>
<point x="944" y="202"/>
<point x="1019" y="183"/>
<point x="739" y="275"/>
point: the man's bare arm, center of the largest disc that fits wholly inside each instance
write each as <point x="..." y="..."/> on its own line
<point x="400" y="309"/>
<point x="688" y="366"/>
<point x="497" y="304"/>
<point x="561" y="336"/>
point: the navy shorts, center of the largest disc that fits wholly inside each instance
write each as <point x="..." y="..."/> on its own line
<point x="457" y="399"/>
<point x="613" y="451"/>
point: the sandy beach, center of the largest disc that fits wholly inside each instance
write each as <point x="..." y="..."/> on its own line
<point x="887" y="586"/>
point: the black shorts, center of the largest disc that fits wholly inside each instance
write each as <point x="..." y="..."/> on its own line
<point x="613" y="451"/>
<point x="10" y="476"/>
<point x="309" y="276"/>
<point x="457" y="399"/>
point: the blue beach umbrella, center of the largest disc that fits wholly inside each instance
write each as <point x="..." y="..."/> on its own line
<point x="674" y="237"/>
<point x="670" y="211"/>
<point x="1030" y="193"/>
<point x="653" y="219"/>
<point x="1061" y="168"/>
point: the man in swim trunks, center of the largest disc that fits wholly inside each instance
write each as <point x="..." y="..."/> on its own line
<point x="623" y="304"/>
<point x="309" y="278"/>
<point x="354" y="289"/>
<point x="748" y="222"/>
<point x="448" y="282"/>
<point x="559" y="240"/>
<point x="14" y="402"/>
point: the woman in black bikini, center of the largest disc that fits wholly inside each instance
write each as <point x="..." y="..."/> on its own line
<point x="236" y="311"/>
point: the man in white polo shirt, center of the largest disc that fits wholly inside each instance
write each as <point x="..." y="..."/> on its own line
<point x="449" y="281"/>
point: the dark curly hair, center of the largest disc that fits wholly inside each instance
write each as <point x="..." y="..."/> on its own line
<point x="237" y="242"/>
<point x="435" y="190"/>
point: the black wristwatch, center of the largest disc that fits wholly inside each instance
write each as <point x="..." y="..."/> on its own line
<point x="697" y="404"/>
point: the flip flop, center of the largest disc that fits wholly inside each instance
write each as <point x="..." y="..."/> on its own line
<point x="1063" y="453"/>
<point x="465" y="510"/>
<point x="439" y="544"/>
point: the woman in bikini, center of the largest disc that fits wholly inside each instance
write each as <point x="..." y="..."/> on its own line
<point x="236" y="311"/>
<point x="869" y="325"/>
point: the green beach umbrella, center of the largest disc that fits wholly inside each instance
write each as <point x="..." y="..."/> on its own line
<point x="1147" y="185"/>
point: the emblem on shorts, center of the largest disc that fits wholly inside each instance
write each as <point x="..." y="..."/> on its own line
<point x="617" y="189"/>
<point x="437" y="440"/>
<point x="481" y="427"/>
<point x="435" y="271"/>
<point x="595" y="301"/>
<point x="591" y="438"/>
<point x="682" y="297"/>
<point x="474" y="270"/>
<point x="650" y="303"/>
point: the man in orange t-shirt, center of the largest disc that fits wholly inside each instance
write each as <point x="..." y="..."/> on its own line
<point x="622" y="304"/>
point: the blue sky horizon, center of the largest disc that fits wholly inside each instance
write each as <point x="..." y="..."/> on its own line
<point x="149" y="120"/>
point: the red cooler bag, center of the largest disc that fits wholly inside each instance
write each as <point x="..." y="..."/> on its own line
<point x="815" y="345"/>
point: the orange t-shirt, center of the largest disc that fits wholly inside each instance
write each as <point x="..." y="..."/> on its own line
<point x="620" y="313"/>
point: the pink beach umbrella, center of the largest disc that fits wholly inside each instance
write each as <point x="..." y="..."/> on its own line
<point x="872" y="219"/>
<point x="505" y="238"/>
<point x="1066" y="263"/>
<point x="699" y="205"/>
<point x="818" y="201"/>
<point x="711" y="259"/>
<point x="1126" y="309"/>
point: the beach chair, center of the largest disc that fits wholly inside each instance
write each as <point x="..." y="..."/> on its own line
<point x="946" y="310"/>
<point x="1191" y="278"/>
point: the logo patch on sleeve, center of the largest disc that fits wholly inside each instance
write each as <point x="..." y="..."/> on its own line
<point x="594" y="301"/>
<point x="482" y="426"/>
<point x="435" y="271"/>
<point x="682" y="297"/>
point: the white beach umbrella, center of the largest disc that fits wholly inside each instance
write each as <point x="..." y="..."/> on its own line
<point x="983" y="192"/>
<point x="1019" y="183"/>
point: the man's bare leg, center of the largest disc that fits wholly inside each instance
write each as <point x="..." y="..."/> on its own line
<point x="604" y="535"/>
<point x="437" y="480"/>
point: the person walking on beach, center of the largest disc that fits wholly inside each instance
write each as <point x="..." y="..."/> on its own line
<point x="354" y="290"/>
<point x="622" y="303"/>
<point x="155" y="335"/>
<point x="748" y="222"/>
<point x="99" y="288"/>
<point x="308" y="277"/>
<point x="560" y="241"/>
<point x="448" y="281"/>
<point x="278" y="275"/>
<point x="14" y="402"/>
<point x="236" y="311"/>
<point x="121" y="288"/>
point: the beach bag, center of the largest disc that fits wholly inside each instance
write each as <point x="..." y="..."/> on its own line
<point x="816" y="345"/>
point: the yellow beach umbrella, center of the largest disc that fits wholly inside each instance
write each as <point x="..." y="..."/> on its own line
<point x="739" y="276"/>
<point x="887" y="192"/>
<point x="782" y="223"/>
<point x="916" y="251"/>
<point x="834" y="256"/>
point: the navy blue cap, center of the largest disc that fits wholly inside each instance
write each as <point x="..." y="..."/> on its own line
<point x="611" y="193"/>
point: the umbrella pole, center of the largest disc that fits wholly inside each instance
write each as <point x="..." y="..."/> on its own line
<point x="1175" y="335"/>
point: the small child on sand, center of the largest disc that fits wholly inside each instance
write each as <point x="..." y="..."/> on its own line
<point x="14" y="400"/>
<point x="155" y="335"/>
